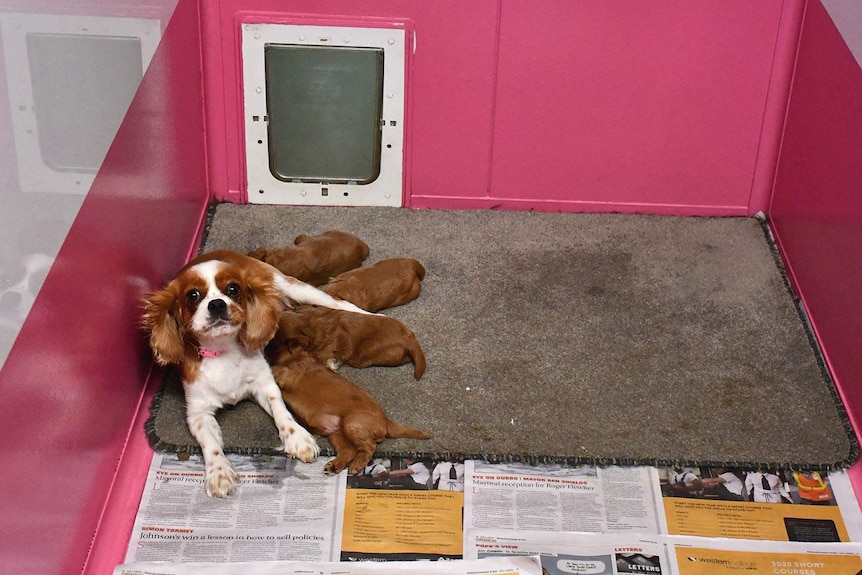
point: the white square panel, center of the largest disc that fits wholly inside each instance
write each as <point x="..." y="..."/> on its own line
<point x="267" y="181"/>
<point x="70" y="80"/>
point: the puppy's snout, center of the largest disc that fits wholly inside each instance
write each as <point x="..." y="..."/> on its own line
<point x="217" y="308"/>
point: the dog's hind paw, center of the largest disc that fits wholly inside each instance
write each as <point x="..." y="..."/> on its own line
<point x="331" y="469"/>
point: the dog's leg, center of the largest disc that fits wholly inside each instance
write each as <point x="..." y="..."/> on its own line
<point x="301" y="292"/>
<point x="220" y="479"/>
<point x="363" y="431"/>
<point x="344" y="454"/>
<point x="297" y="441"/>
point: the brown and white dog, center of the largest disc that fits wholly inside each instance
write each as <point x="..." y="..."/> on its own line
<point x="331" y="405"/>
<point x="387" y="283"/>
<point x="335" y="337"/>
<point x="316" y="259"/>
<point x="213" y="320"/>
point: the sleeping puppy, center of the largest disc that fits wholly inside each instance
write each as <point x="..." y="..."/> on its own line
<point x="329" y="404"/>
<point x="212" y="321"/>
<point x="316" y="259"/>
<point x="357" y="340"/>
<point x="387" y="283"/>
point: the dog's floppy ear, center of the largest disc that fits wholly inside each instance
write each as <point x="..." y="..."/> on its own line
<point x="166" y="339"/>
<point x="263" y="305"/>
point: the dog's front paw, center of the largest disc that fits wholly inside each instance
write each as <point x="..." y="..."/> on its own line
<point x="302" y="445"/>
<point x="220" y="478"/>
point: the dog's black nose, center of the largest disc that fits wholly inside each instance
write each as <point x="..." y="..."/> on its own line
<point x="217" y="307"/>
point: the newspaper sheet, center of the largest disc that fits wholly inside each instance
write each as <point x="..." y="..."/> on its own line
<point x="785" y="505"/>
<point x="703" y="502"/>
<point x="702" y="556"/>
<point x="282" y="509"/>
<point x="579" y="519"/>
<point x="557" y="498"/>
<point x="579" y="553"/>
<point x="495" y="566"/>
<point x="599" y="554"/>
<point x="390" y="517"/>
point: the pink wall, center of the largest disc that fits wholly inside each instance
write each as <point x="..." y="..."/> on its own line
<point x="71" y="387"/>
<point x="816" y="209"/>
<point x="629" y="105"/>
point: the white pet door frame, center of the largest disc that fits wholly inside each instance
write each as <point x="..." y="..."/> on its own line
<point x="335" y="135"/>
<point x="66" y="108"/>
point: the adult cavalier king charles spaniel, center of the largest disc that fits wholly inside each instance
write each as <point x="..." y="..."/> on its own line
<point x="213" y="321"/>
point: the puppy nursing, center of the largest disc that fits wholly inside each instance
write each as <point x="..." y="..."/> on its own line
<point x="212" y="320"/>
<point x="335" y="337"/>
<point x="316" y="259"/>
<point x="388" y="283"/>
<point x="331" y="405"/>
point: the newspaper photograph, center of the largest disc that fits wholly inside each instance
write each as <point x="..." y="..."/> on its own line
<point x="494" y="566"/>
<point x="403" y="509"/>
<point x="282" y="509"/>
<point x="562" y="499"/>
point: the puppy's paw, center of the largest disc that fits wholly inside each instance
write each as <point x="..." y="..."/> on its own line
<point x="331" y="468"/>
<point x="220" y="478"/>
<point x="302" y="445"/>
<point x="333" y="363"/>
<point x="358" y="464"/>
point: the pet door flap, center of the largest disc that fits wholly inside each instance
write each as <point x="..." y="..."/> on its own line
<point x="324" y="106"/>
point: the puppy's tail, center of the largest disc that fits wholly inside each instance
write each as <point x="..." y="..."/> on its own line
<point x="414" y="351"/>
<point x="394" y="430"/>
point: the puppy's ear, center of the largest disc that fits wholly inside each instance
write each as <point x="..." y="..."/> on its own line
<point x="263" y="306"/>
<point x="166" y="339"/>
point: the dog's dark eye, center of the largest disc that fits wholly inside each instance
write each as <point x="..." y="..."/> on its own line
<point x="233" y="290"/>
<point x="194" y="296"/>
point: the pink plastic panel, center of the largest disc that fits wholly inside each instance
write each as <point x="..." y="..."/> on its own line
<point x="627" y="105"/>
<point x="450" y="94"/>
<point x="653" y="106"/>
<point x="816" y="209"/>
<point x="72" y="384"/>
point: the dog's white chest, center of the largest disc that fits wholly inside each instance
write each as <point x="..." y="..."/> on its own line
<point x="231" y="377"/>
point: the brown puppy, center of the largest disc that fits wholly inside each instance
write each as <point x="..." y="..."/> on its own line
<point x="387" y="283"/>
<point x="329" y="404"/>
<point x="316" y="259"/>
<point x="359" y="340"/>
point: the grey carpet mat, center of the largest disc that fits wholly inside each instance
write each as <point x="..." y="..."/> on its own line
<point x="579" y="338"/>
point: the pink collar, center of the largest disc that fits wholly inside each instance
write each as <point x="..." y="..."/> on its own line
<point x="203" y="352"/>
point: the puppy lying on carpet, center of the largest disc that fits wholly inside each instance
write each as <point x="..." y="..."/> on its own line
<point x="359" y="340"/>
<point x="329" y="404"/>
<point x="387" y="283"/>
<point x="316" y="259"/>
